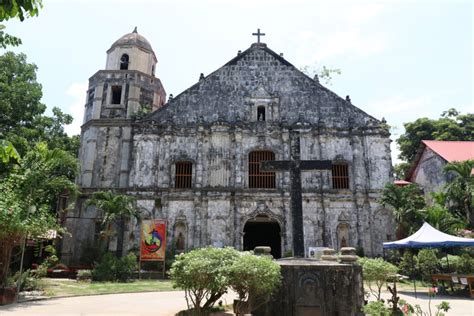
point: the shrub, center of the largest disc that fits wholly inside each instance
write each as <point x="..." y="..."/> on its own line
<point x="112" y="268"/>
<point x="408" y="263"/>
<point x="465" y="264"/>
<point x="377" y="271"/>
<point x="255" y="275"/>
<point x="376" y="308"/>
<point x="203" y="274"/>
<point x="90" y="252"/>
<point x="41" y="271"/>
<point x="29" y="281"/>
<point x="125" y="267"/>
<point x="84" y="275"/>
<point x="427" y="263"/>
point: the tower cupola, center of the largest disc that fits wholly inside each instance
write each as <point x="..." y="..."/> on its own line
<point x="132" y="52"/>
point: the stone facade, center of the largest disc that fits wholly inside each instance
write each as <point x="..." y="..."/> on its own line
<point x="428" y="173"/>
<point x="258" y="101"/>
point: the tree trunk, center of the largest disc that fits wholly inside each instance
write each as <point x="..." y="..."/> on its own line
<point x="6" y="247"/>
<point x="120" y="237"/>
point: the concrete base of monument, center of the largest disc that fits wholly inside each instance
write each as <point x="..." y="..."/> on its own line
<point x="313" y="288"/>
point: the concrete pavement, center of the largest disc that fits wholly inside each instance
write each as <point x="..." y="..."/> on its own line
<point x="136" y="304"/>
<point x="169" y="303"/>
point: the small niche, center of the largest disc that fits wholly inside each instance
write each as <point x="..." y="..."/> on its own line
<point x="261" y="113"/>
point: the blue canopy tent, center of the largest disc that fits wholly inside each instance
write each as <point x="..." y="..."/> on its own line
<point x="429" y="237"/>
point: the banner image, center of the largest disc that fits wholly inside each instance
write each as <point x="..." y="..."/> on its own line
<point x="153" y="240"/>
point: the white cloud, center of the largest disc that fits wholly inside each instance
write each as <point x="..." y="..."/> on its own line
<point x="77" y="92"/>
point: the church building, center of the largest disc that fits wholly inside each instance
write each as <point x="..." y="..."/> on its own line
<point x="194" y="159"/>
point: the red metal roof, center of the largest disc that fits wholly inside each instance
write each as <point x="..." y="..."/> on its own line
<point x="452" y="150"/>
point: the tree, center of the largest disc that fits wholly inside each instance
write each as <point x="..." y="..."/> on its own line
<point x="459" y="190"/>
<point x="253" y="278"/>
<point x="22" y="119"/>
<point x="442" y="219"/>
<point x="377" y="271"/>
<point x="400" y="170"/>
<point x="203" y="274"/>
<point x="451" y="126"/>
<point x="16" y="9"/>
<point x="8" y="155"/>
<point x="115" y="208"/>
<point x="406" y="202"/>
<point x="29" y="191"/>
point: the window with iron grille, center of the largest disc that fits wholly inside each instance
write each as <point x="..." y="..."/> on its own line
<point x="257" y="178"/>
<point x="340" y="176"/>
<point x="183" y="174"/>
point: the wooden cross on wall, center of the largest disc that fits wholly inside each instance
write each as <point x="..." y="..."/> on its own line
<point x="295" y="167"/>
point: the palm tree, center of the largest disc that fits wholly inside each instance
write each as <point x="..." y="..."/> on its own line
<point x="442" y="219"/>
<point x="116" y="208"/>
<point x="460" y="190"/>
<point x="406" y="203"/>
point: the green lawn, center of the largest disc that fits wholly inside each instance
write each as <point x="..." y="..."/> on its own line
<point x="65" y="287"/>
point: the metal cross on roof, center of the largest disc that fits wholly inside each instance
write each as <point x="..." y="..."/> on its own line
<point x="258" y="34"/>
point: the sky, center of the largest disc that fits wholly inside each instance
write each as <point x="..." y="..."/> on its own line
<point x="400" y="60"/>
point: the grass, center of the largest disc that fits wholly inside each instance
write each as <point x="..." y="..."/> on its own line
<point x="66" y="287"/>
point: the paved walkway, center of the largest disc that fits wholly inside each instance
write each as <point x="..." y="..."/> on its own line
<point x="169" y="303"/>
<point x="460" y="306"/>
<point x="146" y="304"/>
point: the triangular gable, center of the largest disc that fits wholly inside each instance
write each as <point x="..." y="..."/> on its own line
<point x="224" y="95"/>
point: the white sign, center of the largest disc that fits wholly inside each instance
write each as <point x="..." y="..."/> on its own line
<point x="315" y="252"/>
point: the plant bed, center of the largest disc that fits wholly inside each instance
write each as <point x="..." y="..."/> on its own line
<point x="7" y="295"/>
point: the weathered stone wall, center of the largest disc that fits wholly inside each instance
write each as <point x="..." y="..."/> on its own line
<point x="429" y="172"/>
<point x="315" y="288"/>
<point x="218" y="156"/>
<point x="215" y="125"/>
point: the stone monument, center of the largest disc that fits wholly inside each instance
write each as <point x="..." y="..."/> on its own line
<point x="313" y="288"/>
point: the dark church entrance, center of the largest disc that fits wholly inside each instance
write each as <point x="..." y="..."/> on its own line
<point x="263" y="231"/>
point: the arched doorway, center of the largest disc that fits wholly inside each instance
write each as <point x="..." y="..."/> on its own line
<point x="263" y="231"/>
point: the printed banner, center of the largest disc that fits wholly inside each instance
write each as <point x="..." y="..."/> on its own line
<point x="153" y="240"/>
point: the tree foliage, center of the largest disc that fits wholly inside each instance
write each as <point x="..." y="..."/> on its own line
<point x="11" y="9"/>
<point x="257" y="276"/>
<point x="29" y="191"/>
<point x="22" y="119"/>
<point x="111" y="268"/>
<point x="20" y="9"/>
<point x="427" y="263"/>
<point x="442" y="219"/>
<point x="450" y="126"/>
<point x="115" y="208"/>
<point x="377" y="271"/>
<point x="203" y="274"/>
<point x="406" y="202"/>
<point x="459" y="191"/>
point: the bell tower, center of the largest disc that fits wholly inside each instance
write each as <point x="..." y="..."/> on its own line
<point x="125" y="90"/>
